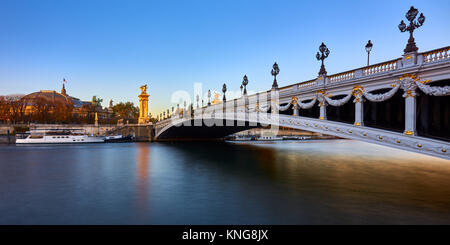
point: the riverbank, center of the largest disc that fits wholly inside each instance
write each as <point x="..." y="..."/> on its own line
<point x="7" y="139"/>
<point x="141" y="132"/>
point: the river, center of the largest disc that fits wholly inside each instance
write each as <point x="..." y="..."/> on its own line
<point x="286" y="182"/>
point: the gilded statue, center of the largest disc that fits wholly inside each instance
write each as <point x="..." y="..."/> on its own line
<point x="144" y="88"/>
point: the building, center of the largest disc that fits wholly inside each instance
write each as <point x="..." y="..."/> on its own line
<point x="51" y="102"/>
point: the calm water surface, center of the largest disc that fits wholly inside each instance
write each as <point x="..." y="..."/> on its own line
<point x="319" y="182"/>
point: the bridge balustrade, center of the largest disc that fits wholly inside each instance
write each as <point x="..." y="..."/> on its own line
<point x="436" y="55"/>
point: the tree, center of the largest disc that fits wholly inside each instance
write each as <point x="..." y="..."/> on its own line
<point x="16" y="108"/>
<point x="62" y="112"/>
<point x="42" y="109"/>
<point x="96" y="101"/>
<point x="88" y="111"/>
<point x="126" y="110"/>
<point x="4" y="109"/>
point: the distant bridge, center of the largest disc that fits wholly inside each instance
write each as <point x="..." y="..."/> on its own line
<point x="402" y="103"/>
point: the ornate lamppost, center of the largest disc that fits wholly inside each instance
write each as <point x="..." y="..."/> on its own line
<point x="172" y="110"/>
<point x="411" y="15"/>
<point x="275" y="71"/>
<point x="197" y="98"/>
<point x="209" y="97"/>
<point x="224" y="89"/>
<point x="369" y="46"/>
<point x="244" y="83"/>
<point x="324" y="54"/>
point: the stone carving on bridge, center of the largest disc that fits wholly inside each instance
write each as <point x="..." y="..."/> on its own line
<point x="264" y="108"/>
<point x="308" y="104"/>
<point x="381" y="97"/>
<point x="338" y="102"/>
<point x="408" y="84"/>
<point x="285" y="107"/>
<point x="433" y="90"/>
<point x="294" y="100"/>
<point x="358" y="91"/>
<point x="321" y="98"/>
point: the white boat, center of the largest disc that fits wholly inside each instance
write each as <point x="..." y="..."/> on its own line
<point x="118" y="138"/>
<point x="296" y="137"/>
<point x="59" y="136"/>
<point x="269" y="138"/>
<point x="244" y="138"/>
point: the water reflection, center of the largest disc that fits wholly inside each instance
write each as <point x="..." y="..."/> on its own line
<point x="316" y="182"/>
<point x="353" y="179"/>
<point x="142" y="160"/>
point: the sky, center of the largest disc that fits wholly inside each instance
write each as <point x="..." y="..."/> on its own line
<point x="110" y="48"/>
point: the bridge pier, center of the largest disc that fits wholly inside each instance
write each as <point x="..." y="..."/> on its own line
<point x="359" y="106"/>
<point x="141" y="132"/>
<point x="323" y="110"/>
<point x="409" y="87"/>
<point x="274" y="101"/>
<point x="410" y="115"/>
<point x="359" y="113"/>
<point x="296" y="110"/>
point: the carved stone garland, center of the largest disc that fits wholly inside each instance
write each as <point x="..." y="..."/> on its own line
<point x="307" y="105"/>
<point x="432" y="90"/>
<point x="284" y="108"/>
<point x="338" y="102"/>
<point x="381" y="97"/>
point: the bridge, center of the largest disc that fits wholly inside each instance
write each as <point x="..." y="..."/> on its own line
<point x="401" y="103"/>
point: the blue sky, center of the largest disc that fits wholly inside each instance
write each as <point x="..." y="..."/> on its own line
<point x="109" y="48"/>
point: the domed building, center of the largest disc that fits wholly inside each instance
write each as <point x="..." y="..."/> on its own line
<point x="61" y="103"/>
<point x="52" y="97"/>
<point x="48" y="96"/>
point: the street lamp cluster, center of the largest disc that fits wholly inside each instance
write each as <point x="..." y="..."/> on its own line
<point x="324" y="54"/>
<point x="411" y="16"/>
<point x="244" y="83"/>
<point x="274" y="72"/>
